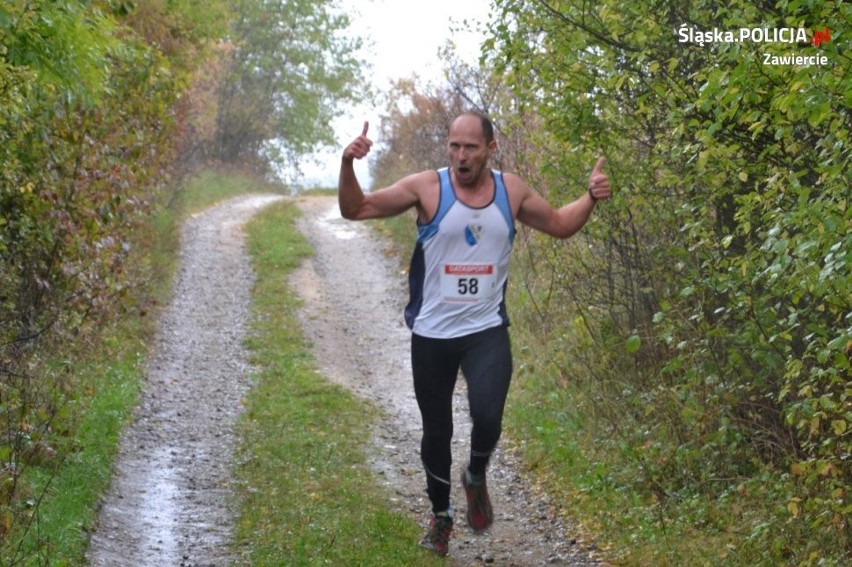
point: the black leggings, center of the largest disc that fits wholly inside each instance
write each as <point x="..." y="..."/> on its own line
<point x="485" y="359"/>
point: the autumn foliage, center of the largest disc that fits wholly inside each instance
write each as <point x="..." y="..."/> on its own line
<point x="89" y="134"/>
<point x="688" y="352"/>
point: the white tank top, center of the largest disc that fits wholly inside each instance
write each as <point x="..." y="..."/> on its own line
<point x="460" y="266"/>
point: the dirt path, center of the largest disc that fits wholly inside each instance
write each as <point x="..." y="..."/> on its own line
<point x="169" y="503"/>
<point x="354" y="296"/>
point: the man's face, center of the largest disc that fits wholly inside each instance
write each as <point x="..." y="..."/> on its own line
<point x="468" y="150"/>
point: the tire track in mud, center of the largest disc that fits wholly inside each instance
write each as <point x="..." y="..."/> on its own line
<point x="168" y="504"/>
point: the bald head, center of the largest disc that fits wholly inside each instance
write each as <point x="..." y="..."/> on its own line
<point x="484" y="123"/>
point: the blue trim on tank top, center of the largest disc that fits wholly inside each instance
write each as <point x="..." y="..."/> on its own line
<point x="448" y="198"/>
<point x="501" y="198"/>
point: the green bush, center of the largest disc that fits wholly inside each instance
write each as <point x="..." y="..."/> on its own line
<point x="89" y="130"/>
<point x="708" y="304"/>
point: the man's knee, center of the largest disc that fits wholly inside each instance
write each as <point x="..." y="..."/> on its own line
<point x="436" y="436"/>
<point x="487" y="431"/>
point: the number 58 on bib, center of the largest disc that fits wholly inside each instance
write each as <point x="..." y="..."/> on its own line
<point x="467" y="283"/>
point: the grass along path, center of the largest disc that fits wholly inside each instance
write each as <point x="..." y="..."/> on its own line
<point x="307" y="495"/>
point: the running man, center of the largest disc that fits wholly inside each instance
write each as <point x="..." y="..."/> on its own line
<point x="466" y="217"/>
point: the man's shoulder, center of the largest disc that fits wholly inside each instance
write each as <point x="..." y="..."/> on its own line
<point x="516" y="189"/>
<point x="507" y="175"/>
<point x="514" y="184"/>
<point x="423" y="181"/>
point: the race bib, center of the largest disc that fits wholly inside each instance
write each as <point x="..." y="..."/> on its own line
<point x="467" y="282"/>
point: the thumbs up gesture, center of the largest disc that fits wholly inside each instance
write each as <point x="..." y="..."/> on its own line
<point x="599" y="182"/>
<point x="360" y="146"/>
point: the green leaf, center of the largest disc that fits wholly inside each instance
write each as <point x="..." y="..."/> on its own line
<point x="633" y="344"/>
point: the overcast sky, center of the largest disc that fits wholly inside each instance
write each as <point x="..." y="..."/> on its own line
<point x="402" y="38"/>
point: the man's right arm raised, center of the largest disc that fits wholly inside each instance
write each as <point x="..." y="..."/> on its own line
<point x="354" y="203"/>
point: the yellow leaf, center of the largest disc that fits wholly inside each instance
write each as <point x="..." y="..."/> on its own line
<point x="814" y="428"/>
<point x="743" y="176"/>
<point x="825" y="469"/>
<point x="793" y="507"/>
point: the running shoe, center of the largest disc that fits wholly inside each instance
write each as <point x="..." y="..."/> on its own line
<point x="479" y="513"/>
<point x="437" y="539"/>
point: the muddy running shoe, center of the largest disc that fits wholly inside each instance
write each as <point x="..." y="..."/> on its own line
<point x="479" y="513"/>
<point x="437" y="539"/>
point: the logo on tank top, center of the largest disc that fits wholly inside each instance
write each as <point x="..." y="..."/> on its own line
<point x="472" y="233"/>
